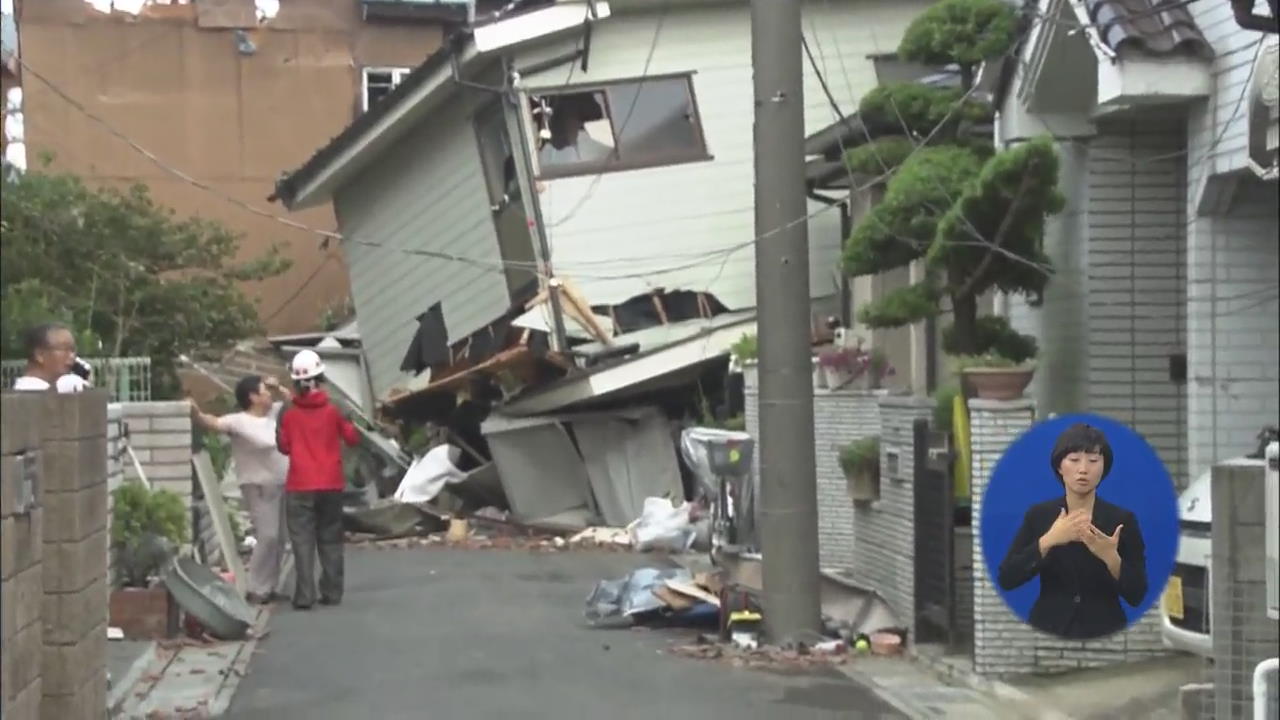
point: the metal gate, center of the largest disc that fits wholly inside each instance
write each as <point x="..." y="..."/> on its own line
<point x="934" y="515"/>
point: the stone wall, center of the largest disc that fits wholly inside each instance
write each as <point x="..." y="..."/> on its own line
<point x="1243" y="635"/>
<point x="839" y="418"/>
<point x="117" y="457"/>
<point x="1003" y="643"/>
<point x="74" y="493"/>
<point x="884" y="542"/>
<point x="160" y="435"/>
<point x="21" y="571"/>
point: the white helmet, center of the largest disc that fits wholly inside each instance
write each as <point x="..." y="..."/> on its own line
<point x="306" y="365"/>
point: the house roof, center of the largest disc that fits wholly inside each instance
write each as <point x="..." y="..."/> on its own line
<point x="288" y="185"/>
<point x="1153" y="27"/>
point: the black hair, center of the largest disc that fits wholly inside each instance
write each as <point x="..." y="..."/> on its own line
<point x="309" y="384"/>
<point x="248" y="385"/>
<point x="1084" y="438"/>
<point x="36" y="338"/>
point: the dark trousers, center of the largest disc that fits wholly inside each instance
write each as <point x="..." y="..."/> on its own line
<point x="315" y="528"/>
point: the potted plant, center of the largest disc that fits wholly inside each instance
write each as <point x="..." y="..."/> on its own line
<point x="843" y="365"/>
<point x="146" y="528"/>
<point x="860" y="461"/>
<point x="992" y="376"/>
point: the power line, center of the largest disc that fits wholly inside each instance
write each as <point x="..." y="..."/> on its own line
<point x="644" y="74"/>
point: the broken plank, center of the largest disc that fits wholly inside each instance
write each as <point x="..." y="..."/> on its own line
<point x="673" y="599"/>
<point x="693" y="591"/>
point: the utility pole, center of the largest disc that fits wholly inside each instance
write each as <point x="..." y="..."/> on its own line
<point x="789" y="503"/>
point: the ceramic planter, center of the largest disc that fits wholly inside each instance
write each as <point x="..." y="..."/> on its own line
<point x="863" y="484"/>
<point x="989" y="383"/>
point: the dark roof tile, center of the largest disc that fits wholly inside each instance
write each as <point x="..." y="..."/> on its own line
<point x="1154" y="27"/>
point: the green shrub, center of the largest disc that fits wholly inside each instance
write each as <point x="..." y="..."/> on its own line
<point x="747" y="348"/>
<point x="861" y="456"/>
<point x="944" y="408"/>
<point x="146" y="527"/>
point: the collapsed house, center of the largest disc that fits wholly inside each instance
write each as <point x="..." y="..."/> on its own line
<point x="549" y="231"/>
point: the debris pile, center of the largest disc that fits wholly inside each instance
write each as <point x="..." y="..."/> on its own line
<point x="799" y="657"/>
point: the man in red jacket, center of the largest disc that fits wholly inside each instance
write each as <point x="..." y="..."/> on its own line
<point x="311" y="432"/>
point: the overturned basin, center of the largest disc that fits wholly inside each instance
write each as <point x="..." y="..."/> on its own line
<point x="208" y="598"/>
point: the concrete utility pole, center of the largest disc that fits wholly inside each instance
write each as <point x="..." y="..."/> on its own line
<point x="789" y="503"/>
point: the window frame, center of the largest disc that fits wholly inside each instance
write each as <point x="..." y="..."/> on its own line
<point x="398" y="74"/>
<point x="622" y="164"/>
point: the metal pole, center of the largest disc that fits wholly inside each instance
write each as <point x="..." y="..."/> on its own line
<point x="517" y="101"/>
<point x="789" y="507"/>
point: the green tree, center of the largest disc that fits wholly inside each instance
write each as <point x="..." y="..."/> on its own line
<point x="128" y="275"/>
<point x="976" y="216"/>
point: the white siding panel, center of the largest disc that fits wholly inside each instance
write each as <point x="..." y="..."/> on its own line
<point x="427" y="195"/>
<point x="1234" y="349"/>
<point x="690" y="215"/>
<point x="1137" y="278"/>
<point x="1219" y="137"/>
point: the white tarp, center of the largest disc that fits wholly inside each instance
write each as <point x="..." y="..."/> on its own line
<point x="428" y="475"/>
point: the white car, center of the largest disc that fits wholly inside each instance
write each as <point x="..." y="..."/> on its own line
<point x="1184" y="608"/>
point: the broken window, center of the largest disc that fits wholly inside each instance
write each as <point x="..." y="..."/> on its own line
<point x="620" y="126"/>
<point x="379" y="82"/>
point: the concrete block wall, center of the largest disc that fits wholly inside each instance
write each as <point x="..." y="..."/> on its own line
<point x="1243" y="635"/>
<point x="1003" y="644"/>
<point x="840" y="417"/>
<point x="160" y="435"/>
<point x="73" y="491"/>
<point x="21" y="571"/>
<point x="117" y="457"/>
<point x="884" y="543"/>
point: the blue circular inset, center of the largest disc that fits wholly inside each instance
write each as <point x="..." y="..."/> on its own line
<point x="1137" y="482"/>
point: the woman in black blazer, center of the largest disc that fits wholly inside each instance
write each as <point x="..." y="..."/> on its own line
<point x="1088" y="552"/>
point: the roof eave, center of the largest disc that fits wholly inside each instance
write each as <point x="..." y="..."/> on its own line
<point x="310" y="186"/>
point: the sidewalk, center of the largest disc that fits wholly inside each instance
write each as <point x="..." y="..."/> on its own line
<point x="1134" y="690"/>
<point x="185" y="678"/>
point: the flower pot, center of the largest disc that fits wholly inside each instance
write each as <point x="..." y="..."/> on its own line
<point x="143" y="613"/>
<point x="863" y="484"/>
<point x="997" y="383"/>
<point x="819" y="376"/>
<point x="837" y="377"/>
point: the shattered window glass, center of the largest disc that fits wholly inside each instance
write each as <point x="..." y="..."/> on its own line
<point x="622" y="126"/>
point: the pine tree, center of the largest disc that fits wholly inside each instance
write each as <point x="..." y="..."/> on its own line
<point x="974" y="215"/>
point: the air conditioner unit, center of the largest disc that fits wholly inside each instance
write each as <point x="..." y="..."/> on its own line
<point x="1273" y="530"/>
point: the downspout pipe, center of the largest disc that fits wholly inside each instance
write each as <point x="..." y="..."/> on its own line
<point x="1260" y="686"/>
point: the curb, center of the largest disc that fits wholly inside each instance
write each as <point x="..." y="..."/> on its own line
<point x="239" y="666"/>
<point x="120" y="688"/>
<point x="995" y="688"/>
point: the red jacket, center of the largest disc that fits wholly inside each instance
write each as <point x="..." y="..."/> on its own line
<point x="311" y="433"/>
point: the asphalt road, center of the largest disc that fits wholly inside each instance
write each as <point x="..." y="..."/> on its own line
<point x="481" y="634"/>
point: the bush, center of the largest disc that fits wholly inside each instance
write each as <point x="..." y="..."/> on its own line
<point x="747" y="348"/>
<point x="861" y="456"/>
<point x="944" y="408"/>
<point x="146" y="527"/>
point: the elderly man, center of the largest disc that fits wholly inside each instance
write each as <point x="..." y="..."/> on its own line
<point x="261" y="471"/>
<point x="51" y="356"/>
